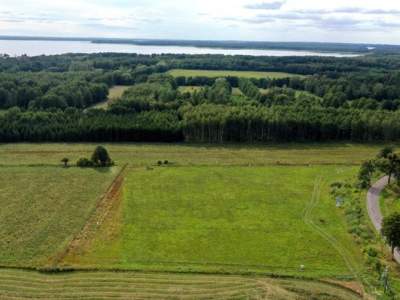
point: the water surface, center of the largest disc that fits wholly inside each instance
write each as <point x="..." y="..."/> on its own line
<point x="35" y="48"/>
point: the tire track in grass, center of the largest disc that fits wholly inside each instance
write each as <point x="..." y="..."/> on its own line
<point x="307" y="218"/>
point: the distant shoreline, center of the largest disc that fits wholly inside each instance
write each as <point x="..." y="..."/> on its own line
<point x="228" y="45"/>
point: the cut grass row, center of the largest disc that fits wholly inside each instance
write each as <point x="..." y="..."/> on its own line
<point x="227" y="73"/>
<point x="42" y="208"/>
<point x="16" y="284"/>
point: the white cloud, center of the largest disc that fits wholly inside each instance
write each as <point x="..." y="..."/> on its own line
<point x="283" y="20"/>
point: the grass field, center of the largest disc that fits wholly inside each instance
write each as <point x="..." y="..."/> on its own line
<point x="208" y="219"/>
<point x="243" y="74"/>
<point x="15" y="284"/>
<point x="197" y="214"/>
<point x="188" y="155"/>
<point x="42" y="208"/>
<point x="115" y="93"/>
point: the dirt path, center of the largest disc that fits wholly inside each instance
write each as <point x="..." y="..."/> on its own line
<point x="374" y="209"/>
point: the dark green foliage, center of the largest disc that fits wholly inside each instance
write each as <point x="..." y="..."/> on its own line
<point x="65" y="161"/>
<point x="85" y="163"/>
<point x="391" y="230"/>
<point x="354" y="99"/>
<point x="101" y="158"/>
<point x="365" y="174"/>
<point x="385" y="152"/>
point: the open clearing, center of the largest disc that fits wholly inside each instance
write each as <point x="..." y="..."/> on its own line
<point x="227" y="73"/>
<point x="208" y="219"/>
<point x="114" y="93"/>
<point x="42" y="208"/>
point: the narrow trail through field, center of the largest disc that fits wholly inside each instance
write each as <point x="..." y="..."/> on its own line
<point x="342" y="251"/>
<point x="374" y="210"/>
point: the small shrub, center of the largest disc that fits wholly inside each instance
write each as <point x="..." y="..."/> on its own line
<point x="166" y="162"/>
<point x="65" y="161"/>
<point x="85" y="163"/>
<point x="371" y="252"/>
<point x="159" y="163"/>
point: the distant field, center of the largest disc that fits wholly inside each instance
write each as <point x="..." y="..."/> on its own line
<point x="189" y="89"/>
<point x="42" y="208"/>
<point x="15" y="284"/>
<point x="115" y="93"/>
<point x="227" y="219"/>
<point x="244" y="74"/>
<point x="187" y="154"/>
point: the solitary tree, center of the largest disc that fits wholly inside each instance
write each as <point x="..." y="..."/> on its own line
<point x="365" y="174"/>
<point x="385" y="152"/>
<point x="100" y="157"/>
<point x="391" y="230"/>
<point x="65" y="161"/>
<point x="389" y="164"/>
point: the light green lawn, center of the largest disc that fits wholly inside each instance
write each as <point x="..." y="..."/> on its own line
<point x="228" y="219"/>
<point x="226" y="73"/>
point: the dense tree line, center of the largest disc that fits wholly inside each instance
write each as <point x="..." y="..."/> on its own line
<point x="47" y="99"/>
<point x="96" y="125"/>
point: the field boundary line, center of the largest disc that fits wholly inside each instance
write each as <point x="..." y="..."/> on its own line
<point x="95" y="218"/>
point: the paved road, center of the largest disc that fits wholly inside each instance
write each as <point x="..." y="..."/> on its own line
<point x="374" y="209"/>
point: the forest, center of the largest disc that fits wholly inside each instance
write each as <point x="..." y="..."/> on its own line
<point x="52" y="98"/>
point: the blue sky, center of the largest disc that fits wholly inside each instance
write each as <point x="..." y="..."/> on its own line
<point x="269" y="20"/>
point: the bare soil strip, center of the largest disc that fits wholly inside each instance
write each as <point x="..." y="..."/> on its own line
<point x="107" y="201"/>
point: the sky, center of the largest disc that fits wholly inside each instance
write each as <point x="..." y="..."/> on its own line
<point x="358" y="21"/>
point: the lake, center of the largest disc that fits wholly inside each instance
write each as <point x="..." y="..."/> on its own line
<point x="35" y="48"/>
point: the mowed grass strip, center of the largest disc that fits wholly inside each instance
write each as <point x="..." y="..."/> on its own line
<point x="227" y="73"/>
<point x="189" y="155"/>
<point x="15" y="284"/>
<point x="226" y="219"/>
<point x="42" y="208"/>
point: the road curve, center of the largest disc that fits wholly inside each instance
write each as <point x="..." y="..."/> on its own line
<point x="374" y="210"/>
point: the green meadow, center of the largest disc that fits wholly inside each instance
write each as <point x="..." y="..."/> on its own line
<point x="229" y="220"/>
<point x="216" y="209"/>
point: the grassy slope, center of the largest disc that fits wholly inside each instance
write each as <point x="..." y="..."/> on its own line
<point x="212" y="73"/>
<point x="42" y="208"/>
<point x="128" y="285"/>
<point x="207" y="219"/>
